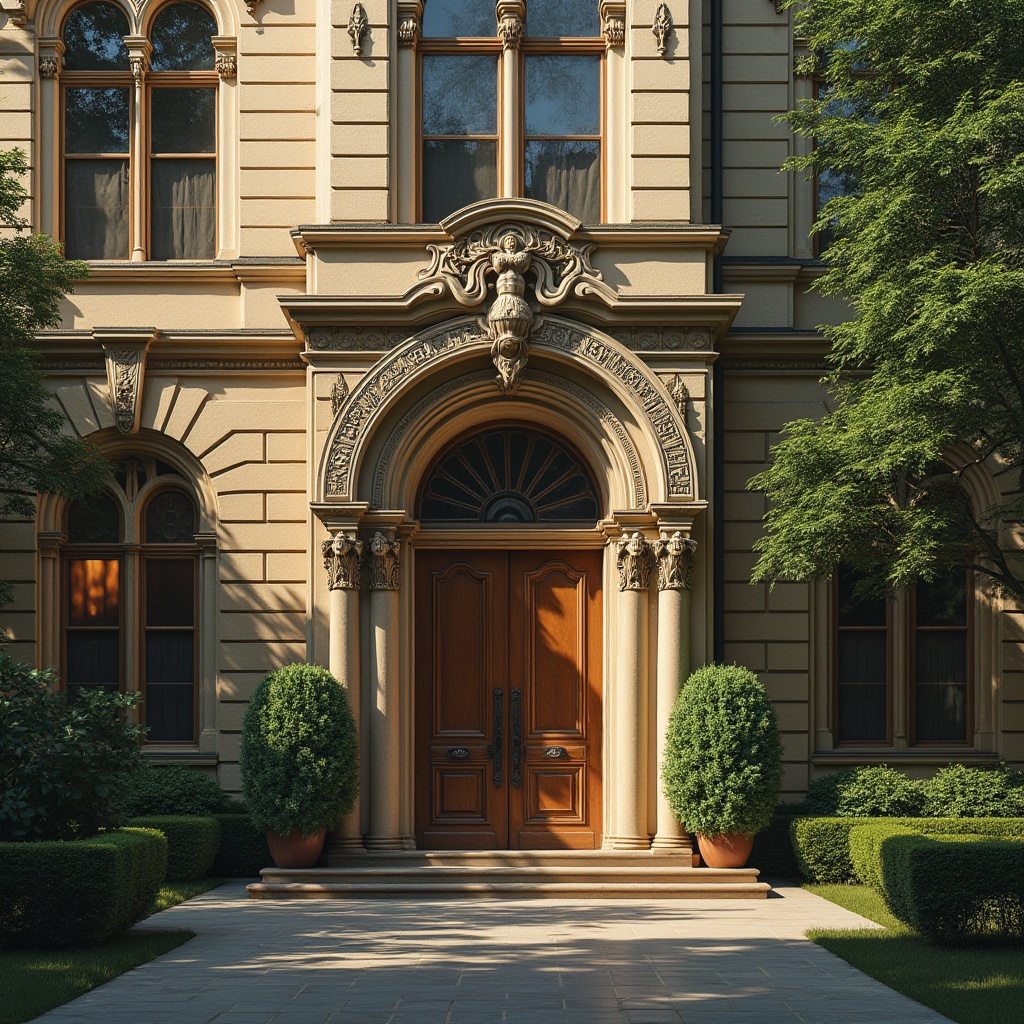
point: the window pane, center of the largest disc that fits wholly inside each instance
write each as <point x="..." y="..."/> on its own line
<point x="181" y="39"/>
<point x="943" y="602"/>
<point x="93" y="592"/>
<point x="563" y="95"/>
<point x="449" y="18"/>
<point x="170" y="591"/>
<point x="853" y="611"/>
<point x="862" y="691"/>
<point x="96" y="120"/>
<point x="861" y="714"/>
<point x="457" y="173"/>
<point x="170" y="519"/>
<point x="93" y="657"/>
<point x="184" y="120"/>
<point x="184" y="212"/>
<point x="170" y="714"/>
<point x="566" y="174"/>
<point x="94" y="39"/>
<point x="96" y="209"/>
<point x="169" y="657"/>
<point x="449" y="108"/>
<point x="940" y="695"/>
<point x="94" y="521"/>
<point x="862" y="656"/>
<point x="549" y="19"/>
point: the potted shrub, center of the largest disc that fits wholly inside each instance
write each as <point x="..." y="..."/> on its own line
<point x="300" y="761"/>
<point x="723" y="761"/>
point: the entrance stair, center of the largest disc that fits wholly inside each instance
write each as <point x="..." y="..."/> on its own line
<point x="511" y="874"/>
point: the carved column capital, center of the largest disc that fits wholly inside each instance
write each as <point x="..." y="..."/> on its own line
<point x="51" y="56"/>
<point x="342" y="560"/>
<point x="634" y="558"/>
<point x="225" y="56"/>
<point x="613" y="23"/>
<point x="382" y="562"/>
<point x="511" y="23"/>
<point x="140" y="49"/>
<point x="124" y="352"/>
<point x="410" y="22"/>
<point x="675" y="561"/>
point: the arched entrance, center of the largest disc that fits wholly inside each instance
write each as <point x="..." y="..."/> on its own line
<point x="508" y="659"/>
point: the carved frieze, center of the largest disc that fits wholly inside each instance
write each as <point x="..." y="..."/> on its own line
<point x="358" y="26"/>
<point x="635" y="559"/>
<point x="662" y="28"/>
<point x="675" y="561"/>
<point x="343" y="560"/>
<point x="341" y="339"/>
<point x="645" y="339"/>
<point x="382" y="562"/>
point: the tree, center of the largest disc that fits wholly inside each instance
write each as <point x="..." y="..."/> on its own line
<point x="923" y="106"/>
<point x="35" y="455"/>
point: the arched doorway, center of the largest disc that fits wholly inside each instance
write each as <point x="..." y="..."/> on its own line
<point x="508" y="687"/>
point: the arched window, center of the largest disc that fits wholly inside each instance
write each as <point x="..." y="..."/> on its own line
<point x="508" y="475"/>
<point x="131" y="584"/>
<point x="139" y="134"/>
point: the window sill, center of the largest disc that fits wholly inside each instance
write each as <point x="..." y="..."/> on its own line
<point x="913" y="755"/>
<point x="157" y="755"/>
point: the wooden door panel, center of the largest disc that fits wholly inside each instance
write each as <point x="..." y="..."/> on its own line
<point x="461" y="659"/>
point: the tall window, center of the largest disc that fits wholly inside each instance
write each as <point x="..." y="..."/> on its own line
<point x="139" y="122"/>
<point x="521" y="121"/>
<point x="913" y="654"/>
<point x="130" y="577"/>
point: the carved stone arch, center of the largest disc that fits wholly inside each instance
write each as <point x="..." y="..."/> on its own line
<point x="225" y="14"/>
<point x="50" y="15"/>
<point x="562" y="351"/>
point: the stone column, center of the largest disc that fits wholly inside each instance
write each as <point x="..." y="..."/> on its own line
<point x="139" y="51"/>
<point x="675" y="571"/>
<point x="634" y="559"/>
<point x="511" y="16"/>
<point x="342" y="556"/>
<point x="48" y="607"/>
<point x="385" y="737"/>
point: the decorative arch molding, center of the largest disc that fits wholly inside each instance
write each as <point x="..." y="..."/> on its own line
<point x="668" y="461"/>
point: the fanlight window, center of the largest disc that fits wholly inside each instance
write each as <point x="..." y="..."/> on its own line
<point x="509" y="475"/>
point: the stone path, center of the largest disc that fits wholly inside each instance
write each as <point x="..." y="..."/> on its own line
<point x="529" y="962"/>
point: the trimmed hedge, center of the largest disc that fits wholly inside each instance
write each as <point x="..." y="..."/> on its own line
<point x="243" y="848"/>
<point x="954" y="888"/>
<point x="822" y="845"/>
<point x="81" y="892"/>
<point x="865" y="846"/>
<point x="192" y="843"/>
<point x="171" y="789"/>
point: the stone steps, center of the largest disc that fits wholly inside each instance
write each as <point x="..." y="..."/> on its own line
<point x="561" y="874"/>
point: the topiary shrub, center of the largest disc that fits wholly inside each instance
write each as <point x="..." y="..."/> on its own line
<point x="191" y="843"/>
<point x="62" y="760"/>
<point x="300" y="753"/>
<point x="957" y="791"/>
<point x="877" y="791"/>
<point x="78" y="893"/>
<point x="243" y="848"/>
<point x="174" y="790"/>
<point x="723" y="757"/>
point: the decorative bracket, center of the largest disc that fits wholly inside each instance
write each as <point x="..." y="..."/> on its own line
<point x="662" y="28"/>
<point x="124" y="352"/>
<point x="225" y="56"/>
<point x="410" y="22"/>
<point x="634" y="558"/>
<point x="613" y="23"/>
<point x="358" y="26"/>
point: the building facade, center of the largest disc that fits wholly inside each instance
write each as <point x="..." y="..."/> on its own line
<point x="435" y="341"/>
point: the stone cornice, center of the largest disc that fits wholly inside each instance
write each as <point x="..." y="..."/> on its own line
<point x="287" y="271"/>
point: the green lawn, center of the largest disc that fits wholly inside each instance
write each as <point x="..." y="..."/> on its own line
<point x="34" y="981"/>
<point x="973" y="985"/>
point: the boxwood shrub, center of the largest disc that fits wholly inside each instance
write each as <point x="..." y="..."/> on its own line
<point x="81" y="892"/>
<point x="171" y="789"/>
<point x="957" y="791"/>
<point x="822" y="845"/>
<point x="243" y="848"/>
<point x="865" y="846"/>
<point x="192" y="843"/>
<point x="875" y="791"/>
<point x="954" y="888"/>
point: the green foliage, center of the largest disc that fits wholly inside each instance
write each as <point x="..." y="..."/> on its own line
<point x="173" y="789"/>
<point x="61" y="761"/>
<point x="822" y="845"/>
<point x="78" y="893"/>
<point x="865" y="848"/>
<point x="773" y="851"/>
<point x="951" y="889"/>
<point x="300" y="754"/>
<point x="35" y="454"/>
<point x="957" y="791"/>
<point x="243" y="850"/>
<point x="723" y="756"/>
<point x="192" y="843"/>
<point x="923" y="106"/>
<point x="865" y="792"/>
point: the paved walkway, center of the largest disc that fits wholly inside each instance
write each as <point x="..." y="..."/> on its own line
<point x="528" y="962"/>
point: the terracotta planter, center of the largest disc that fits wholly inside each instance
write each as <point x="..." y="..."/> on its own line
<point x="295" y="850"/>
<point x="728" y="851"/>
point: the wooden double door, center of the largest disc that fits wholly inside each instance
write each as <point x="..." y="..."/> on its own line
<point x="508" y="699"/>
